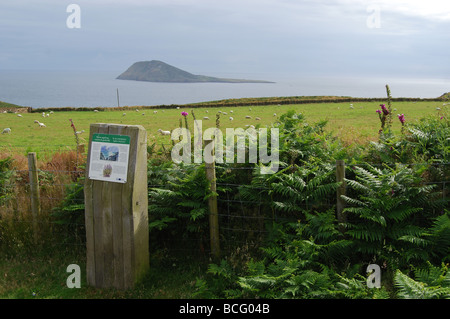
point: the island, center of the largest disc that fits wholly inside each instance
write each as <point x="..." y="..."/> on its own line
<point x="158" y="71"/>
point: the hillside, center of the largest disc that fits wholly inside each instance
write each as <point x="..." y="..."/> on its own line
<point x="158" y="71"/>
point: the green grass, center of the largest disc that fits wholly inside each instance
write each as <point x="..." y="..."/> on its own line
<point x="358" y="124"/>
<point x="43" y="275"/>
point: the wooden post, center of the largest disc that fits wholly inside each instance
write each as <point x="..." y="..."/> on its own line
<point x="213" y="211"/>
<point x="116" y="215"/>
<point x="34" y="190"/>
<point x="340" y="204"/>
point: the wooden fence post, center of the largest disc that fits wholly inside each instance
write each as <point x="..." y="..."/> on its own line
<point x="340" y="204"/>
<point x="213" y="211"/>
<point x="116" y="212"/>
<point x="34" y="191"/>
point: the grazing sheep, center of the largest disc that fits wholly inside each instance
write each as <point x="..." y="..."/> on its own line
<point x="231" y="118"/>
<point x="248" y="117"/>
<point x="231" y="111"/>
<point x="257" y="118"/>
<point x="94" y="111"/>
<point x="207" y="111"/>
<point x="124" y="114"/>
<point x="154" y="112"/>
<point x="164" y="132"/>
<point x="274" y="114"/>
<point x="205" y="118"/>
<point x="19" y="115"/>
<point x="41" y="124"/>
<point x="36" y="121"/>
<point x="79" y="132"/>
<point x="6" y="130"/>
<point x="224" y="113"/>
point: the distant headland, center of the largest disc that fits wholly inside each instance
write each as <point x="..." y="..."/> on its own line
<point x="158" y="71"/>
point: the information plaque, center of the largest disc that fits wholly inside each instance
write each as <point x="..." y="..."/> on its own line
<point x="109" y="158"/>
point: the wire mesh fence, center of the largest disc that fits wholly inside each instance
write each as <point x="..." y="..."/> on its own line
<point x="246" y="211"/>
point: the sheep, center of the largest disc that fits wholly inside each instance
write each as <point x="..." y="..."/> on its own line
<point x="207" y="111"/>
<point x="206" y="118"/>
<point x="137" y="110"/>
<point x="257" y="118"/>
<point x="231" y="118"/>
<point x="6" y="130"/>
<point x="79" y="132"/>
<point x="231" y="111"/>
<point x="94" y="111"/>
<point x="124" y="114"/>
<point x="274" y="114"/>
<point x="19" y="115"/>
<point x="248" y="117"/>
<point x="224" y="113"/>
<point x="154" y="112"/>
<point x="164" y="132"/>
<point x="36" y="121"/>
<point x="42" y="124"/>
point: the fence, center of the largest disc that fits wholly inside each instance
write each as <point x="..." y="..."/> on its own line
<point x="31" y="198"/>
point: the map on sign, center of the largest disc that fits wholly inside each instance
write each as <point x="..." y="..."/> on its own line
<point x="109" y="157"/>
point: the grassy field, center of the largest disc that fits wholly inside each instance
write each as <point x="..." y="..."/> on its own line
<point x="357" y="125"/>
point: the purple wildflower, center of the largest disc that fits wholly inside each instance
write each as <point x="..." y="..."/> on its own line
<point x="402" y="118"/>
<point x="378" y="111"/>
<point x="385" y="110"/>
<point x="184" y="114"/>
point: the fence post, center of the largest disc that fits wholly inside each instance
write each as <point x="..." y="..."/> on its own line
<point x="340" y="204"/>
<point x="213" y="211"/>
<point x="34" y="191"/>
<point x="116" y="212"/>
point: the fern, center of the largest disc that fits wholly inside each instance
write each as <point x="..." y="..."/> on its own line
<point x="432" y="287"/>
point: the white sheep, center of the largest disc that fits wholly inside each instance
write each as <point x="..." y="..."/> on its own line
<point x="207" y="111"/>
<point x="36" y="121"/>
<point x="164" y="132"/>
<point x="94" y="111"/>
<point x="6" y="130"/>
<point x="154" y="112"/>
<point x="19" y="115"/>
<point x="248" y="117"/>
<point x="42" y="124"/>
<point x="124" y="114"/>
<point x="224" y="113"/>
<point x="79" y="132"/>
<point x="274" y="114"/>
<point x="231" y="111"/>
<point x="231" y="118"/>
<point x="205" y="118"/>
<point x="257" y="118"/>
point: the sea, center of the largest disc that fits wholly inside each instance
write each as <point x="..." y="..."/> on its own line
<point x="52" y="89"/>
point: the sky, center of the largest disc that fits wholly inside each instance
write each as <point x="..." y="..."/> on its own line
<point x="232" y="37"/>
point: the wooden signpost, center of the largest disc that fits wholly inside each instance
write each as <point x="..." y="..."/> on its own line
<point x="116" y="206"/>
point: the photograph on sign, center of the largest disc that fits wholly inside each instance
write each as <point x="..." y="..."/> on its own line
<point x="109" y="157"/>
